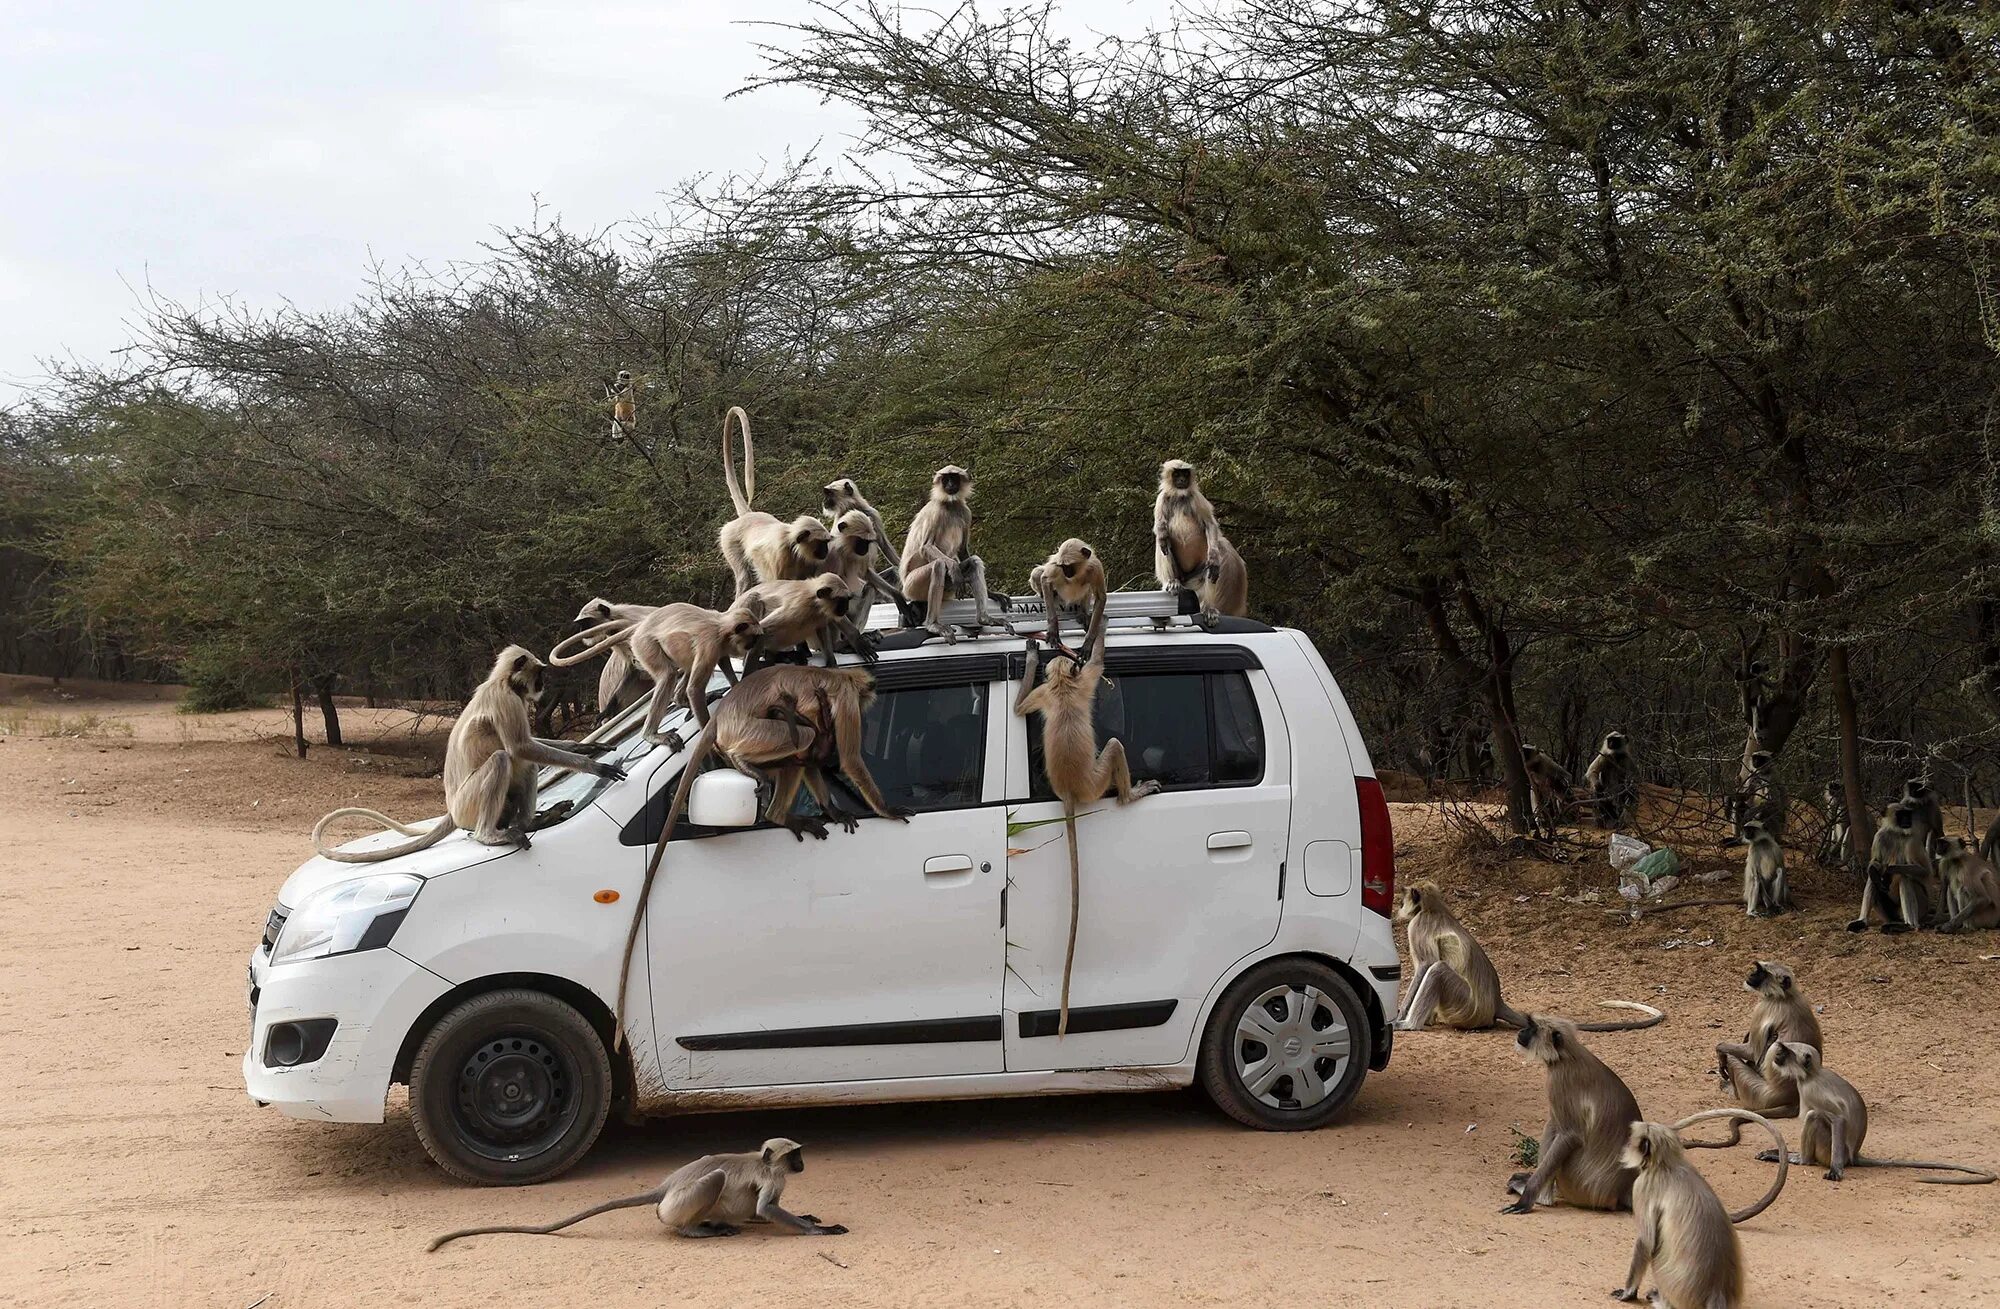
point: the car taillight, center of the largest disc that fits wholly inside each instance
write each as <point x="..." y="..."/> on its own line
<point x="1378" y="848"/>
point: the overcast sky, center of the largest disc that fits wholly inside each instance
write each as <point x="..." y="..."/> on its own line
<point x="269" y="151"/>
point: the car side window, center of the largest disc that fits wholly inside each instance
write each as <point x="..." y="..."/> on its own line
<point x="925" y="747"/>
<point x="1182" y="730"/>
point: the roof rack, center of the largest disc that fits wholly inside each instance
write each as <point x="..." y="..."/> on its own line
<point x="1025" y="613"/>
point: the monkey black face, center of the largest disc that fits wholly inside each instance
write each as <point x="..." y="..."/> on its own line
<point x="796" y="1161"/>
<point x="952" y="483"/>
<point x="1069" y="570"/>
<point x="840" y="606"/>
<point x="1760" y="761"/>
<point x="1182" y="477"/>
<point x="1525" y="1038"/>
<point x="1755" y="981"/>
<point x="1615" y="743"/>
<point x="861" y="544"/>
<point x="1916" y="789"/>
<point x="1906" y="817"/>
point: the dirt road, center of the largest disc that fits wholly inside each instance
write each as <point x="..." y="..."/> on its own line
<point x="136" y="870"/>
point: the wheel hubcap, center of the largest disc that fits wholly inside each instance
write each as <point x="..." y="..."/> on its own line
<point x="1291" y="1047"/>
<point x="515" y="1096"/>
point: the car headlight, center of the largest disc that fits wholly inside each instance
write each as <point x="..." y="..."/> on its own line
<point x="348" y="916"/>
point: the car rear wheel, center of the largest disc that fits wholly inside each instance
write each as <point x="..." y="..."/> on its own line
<point x="1286" y="1047"/>
<point x="509" y="1088"/>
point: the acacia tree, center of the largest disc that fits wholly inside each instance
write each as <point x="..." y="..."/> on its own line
<point x="1545" y="321"/>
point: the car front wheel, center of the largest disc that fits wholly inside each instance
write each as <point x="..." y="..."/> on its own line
<point x="509" y="1088"/>
<point x="1286" y="1047"/>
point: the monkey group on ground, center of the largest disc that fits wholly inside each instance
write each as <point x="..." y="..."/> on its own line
<point x="1597" y="1151"/>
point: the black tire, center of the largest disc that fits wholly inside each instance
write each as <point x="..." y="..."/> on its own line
<point x="1320" y="998"/>
<point x="509" y="1088"/>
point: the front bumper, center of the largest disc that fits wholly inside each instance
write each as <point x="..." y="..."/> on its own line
<point x="374" y="995"/>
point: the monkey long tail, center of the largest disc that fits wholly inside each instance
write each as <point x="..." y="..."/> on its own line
<point x="612" y="632"/>
<point x="1075" y="896"/>
<point x="1654" y="1017"/>
<point x="1784" y="1159"/>
<point x="1977" y="1176"/>
<point x="702" y="745"/>
<point x="653" y="1196"/>
<point x="742" y="495"/>
<point x="426" y="837"/>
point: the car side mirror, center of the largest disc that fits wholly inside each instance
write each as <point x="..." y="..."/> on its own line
<point x="723" y="797"/>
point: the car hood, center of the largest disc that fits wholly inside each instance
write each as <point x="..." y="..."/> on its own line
<point x="448" y="856"/>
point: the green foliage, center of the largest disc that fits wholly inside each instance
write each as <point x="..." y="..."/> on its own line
<point x="1546" y="364"/>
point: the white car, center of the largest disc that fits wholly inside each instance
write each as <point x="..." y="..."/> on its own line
<point x="1234" y="927"/>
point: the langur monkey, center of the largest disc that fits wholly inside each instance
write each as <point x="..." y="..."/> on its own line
<point x="1685" y="1235"/>
<point x="759" y="547"/>
<point x="1456" y="983"/>
<point x="854" y="538"/>
<point x="1760" y="799"/>
<point x="1765" y="894"/>
<point x="1548" y="789"/>
<point x="680" y="646"/>
<point x="708" y="1197"/>
<point x="1072" y="578"/>
<point x="1836" y="844"/>
<point x="1591" y="1112"/>
<point x="1781" y="1013"/>
<point x="624" y="397"/>
<point x="1078" y="772"/>
<point x="1835" y="1120"/>
<point x="1917" y="794"/>
<point x="1610" y="781"/>
<point x="938" y="563"/>
<point x="1189" y="549"/>
<point x="620" y="683"/>
<point x="1971" y="887"/>
<point x="491" y="765"/>
<point x="1899" y="873"/>
<point x="750" y="738"/>
<point x="842" y="495"/>
<point x="809" y="611"/>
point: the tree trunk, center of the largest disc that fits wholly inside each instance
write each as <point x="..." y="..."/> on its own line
<point x="1513" y="769"/>
<point x="298" y="714"/>
<point x="1860" y="828"/>
<point x="328" y="712"/>
<point x="1493" y="684"/>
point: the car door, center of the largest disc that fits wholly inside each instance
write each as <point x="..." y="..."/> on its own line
<point x="1175" y="887"/>
<point x="872" y="954"/>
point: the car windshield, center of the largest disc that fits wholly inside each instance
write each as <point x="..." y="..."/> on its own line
<point x="563" y="792"/>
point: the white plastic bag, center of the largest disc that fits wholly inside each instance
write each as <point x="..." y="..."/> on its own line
<point x="1627" y="850"/>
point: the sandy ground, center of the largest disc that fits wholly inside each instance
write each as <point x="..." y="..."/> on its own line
<point x="139" y="860"/>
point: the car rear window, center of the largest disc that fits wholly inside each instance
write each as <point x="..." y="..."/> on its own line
<point x="1182" y="730"/>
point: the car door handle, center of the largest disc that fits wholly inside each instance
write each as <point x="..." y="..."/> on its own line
<point x="947" y="863"/>
<point x="1229" y="840"/>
